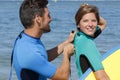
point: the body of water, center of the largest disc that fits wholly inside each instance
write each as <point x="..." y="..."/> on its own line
<point x="63" y="23"/>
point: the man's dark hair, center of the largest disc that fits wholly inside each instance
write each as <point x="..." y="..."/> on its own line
<point x="29" y="9"/>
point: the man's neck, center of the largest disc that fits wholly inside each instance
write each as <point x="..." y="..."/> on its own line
<point x="33" y="32"/>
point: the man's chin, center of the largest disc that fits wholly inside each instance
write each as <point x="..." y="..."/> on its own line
<point x="46" y="31"/>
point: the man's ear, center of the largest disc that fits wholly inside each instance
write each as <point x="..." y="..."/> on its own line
<point x="38" y="19"/>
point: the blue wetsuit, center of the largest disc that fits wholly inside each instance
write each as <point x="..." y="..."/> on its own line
<point x="30" y="59"/>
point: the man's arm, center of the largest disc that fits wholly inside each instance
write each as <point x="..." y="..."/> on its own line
<point x="62" y="72"/>
<point x="54" y="52"/>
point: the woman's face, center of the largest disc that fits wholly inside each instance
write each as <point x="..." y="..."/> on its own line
<point x="88" y="24"/>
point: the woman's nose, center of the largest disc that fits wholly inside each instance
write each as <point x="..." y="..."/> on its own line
<point x="90" y="23"/>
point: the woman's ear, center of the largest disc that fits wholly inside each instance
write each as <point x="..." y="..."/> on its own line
<point x="78" y="27"/>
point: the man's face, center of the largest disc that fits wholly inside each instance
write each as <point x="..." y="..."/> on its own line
<point x="46" y="20"/>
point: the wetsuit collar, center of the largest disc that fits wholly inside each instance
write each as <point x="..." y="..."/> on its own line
<point x="82" y="33"/>
<point x="28" y="37"/>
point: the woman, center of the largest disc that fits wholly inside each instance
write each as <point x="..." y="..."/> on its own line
<point x="89" y="25"/>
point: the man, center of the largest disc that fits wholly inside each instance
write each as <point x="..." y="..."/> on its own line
<point x="30" y="58"/>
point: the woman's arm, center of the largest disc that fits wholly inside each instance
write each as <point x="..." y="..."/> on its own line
<point x="102" y="23"/>
<point x="101" y="75"/>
